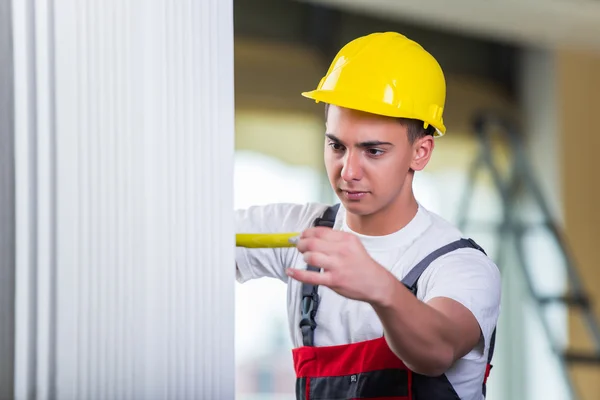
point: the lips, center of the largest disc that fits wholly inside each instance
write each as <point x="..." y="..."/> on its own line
<point x="354" y="195"/>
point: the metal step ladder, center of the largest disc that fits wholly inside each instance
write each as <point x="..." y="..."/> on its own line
<point x="512" y="180"/>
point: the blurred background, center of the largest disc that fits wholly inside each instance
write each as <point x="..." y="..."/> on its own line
<point x="515" y="171"/>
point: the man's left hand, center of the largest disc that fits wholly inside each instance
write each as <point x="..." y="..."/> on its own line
<point x="347" y="267"/>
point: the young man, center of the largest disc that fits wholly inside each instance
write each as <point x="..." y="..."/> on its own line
<point x="385" y="298"/>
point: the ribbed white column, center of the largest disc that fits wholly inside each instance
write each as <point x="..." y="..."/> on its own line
<point x="7" y="206"/>
<point x="124" y="163"/>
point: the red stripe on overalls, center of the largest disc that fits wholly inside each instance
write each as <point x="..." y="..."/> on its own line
<point x="348" y="359"/>
<point x="343" y="360"/>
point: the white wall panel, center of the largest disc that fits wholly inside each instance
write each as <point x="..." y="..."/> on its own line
<point x="124" y="124"/>
<point x="7" y="206"/>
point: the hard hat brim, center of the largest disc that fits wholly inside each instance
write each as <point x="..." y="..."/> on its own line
<point x="362" y="104"/>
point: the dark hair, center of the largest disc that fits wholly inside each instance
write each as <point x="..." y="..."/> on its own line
<point x="414" y="127"/>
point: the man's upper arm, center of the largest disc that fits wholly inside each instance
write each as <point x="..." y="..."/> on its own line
<point x="463" y="329"/>
<point x="465" y="286"/>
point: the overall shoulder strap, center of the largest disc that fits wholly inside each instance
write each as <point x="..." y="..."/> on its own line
<point x="410" y="280"/>
<point x="488" y="366"/>
<point x="310" y="295"/>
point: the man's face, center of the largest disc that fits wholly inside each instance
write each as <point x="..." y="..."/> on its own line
<point x="368" y="159"/>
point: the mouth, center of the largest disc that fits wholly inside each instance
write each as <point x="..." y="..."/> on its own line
<point x="354" y="194"/>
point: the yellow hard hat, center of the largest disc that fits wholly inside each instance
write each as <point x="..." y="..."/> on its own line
<point x="386" y="74"/>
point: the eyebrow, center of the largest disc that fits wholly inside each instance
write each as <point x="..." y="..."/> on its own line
<point x="369" y="143"/>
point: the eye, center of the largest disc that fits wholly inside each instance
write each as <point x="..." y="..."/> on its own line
<point x="375" y="152"/>
<point x="336" y="146"/>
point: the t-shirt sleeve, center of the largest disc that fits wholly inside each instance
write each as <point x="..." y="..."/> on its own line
<point x="471" y="279"/>
<point x="252" y="263"/>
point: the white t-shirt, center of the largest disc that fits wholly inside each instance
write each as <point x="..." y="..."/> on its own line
<point x="464" y="275"/>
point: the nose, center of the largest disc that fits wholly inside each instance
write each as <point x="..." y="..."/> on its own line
<point x="352" y="169"/>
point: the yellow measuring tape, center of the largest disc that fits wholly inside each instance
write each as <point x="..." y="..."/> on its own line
<point x="265" y="240"/>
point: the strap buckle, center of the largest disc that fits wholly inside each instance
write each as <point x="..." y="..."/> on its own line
<point x="324" y="222"/>
<point x="412" y="289"/>
<point x="476" y="246"/>
<point x="310" y="303"/>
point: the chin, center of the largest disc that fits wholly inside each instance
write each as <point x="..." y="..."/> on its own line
<point x="357" y="207"/>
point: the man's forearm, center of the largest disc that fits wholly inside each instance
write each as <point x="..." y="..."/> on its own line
<point x="418" y="334"/>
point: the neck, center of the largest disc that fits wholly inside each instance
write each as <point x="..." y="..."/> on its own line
<point x="389" y="219"/>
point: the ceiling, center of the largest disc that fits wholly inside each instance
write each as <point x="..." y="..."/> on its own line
<point x="573" y="24"/>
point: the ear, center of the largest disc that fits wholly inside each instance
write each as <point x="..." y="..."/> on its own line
<point x="422" y="149"/>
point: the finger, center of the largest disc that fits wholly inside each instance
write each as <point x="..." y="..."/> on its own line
<point x="310" y="277"/>
<point x="319" y="260"/>
<point x="316" y="245"/>
<point x="324" y="233"/>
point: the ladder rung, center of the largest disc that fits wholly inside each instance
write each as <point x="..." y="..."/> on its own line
<point x="581" y="357"/>
<point x="576" y="300"/>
